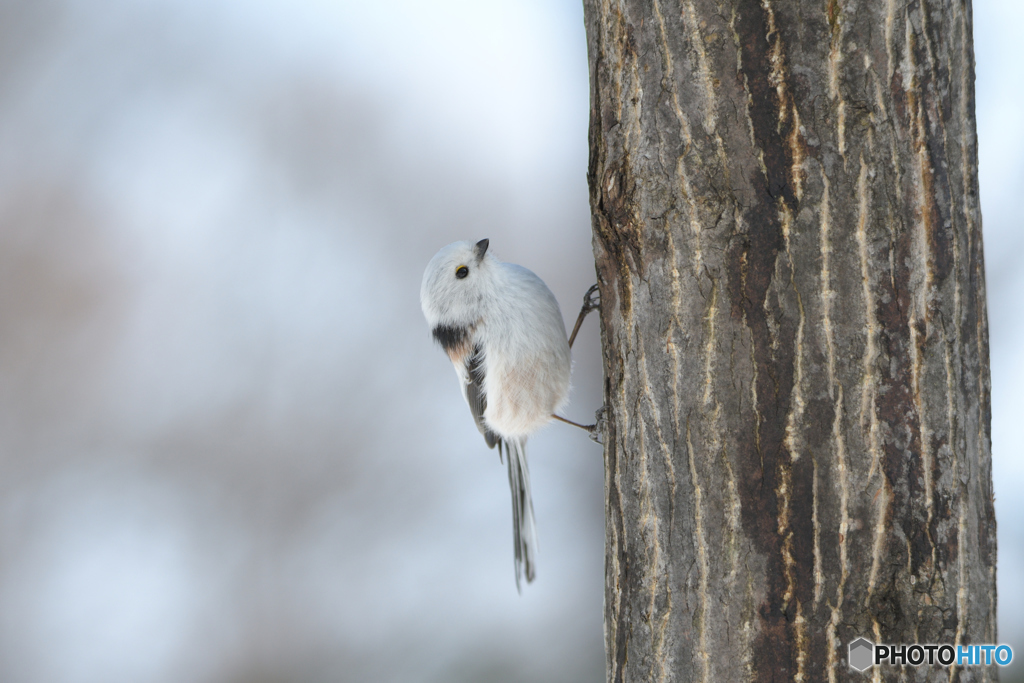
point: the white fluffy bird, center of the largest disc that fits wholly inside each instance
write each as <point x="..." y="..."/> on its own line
<point x="502" y="329"/>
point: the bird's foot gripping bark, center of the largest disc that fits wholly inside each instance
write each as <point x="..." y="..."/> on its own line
<point x="597" y="430"/>
<point x="591" y="300"/>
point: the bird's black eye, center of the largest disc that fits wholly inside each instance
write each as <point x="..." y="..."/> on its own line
<point x="461" y="272"/>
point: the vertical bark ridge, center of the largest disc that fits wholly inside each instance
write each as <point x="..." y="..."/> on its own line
<point x="685" y="133"/>
<point x="836" y="612"/>
<point x="769" y="466"/>
<point x="954" y="347"/>
<point x="890" y="23"/>
<point x="700" y="617"/>
<point x="870" y="382"/>
<point x="660" y="609"/>
<point x="651" y="538"/>
<point x="835" y="60"/>
<point x="838" y="445"/>
<point x="792" y="542"/>
<point x="933" y="201"/>
<point x="707" y="81"/>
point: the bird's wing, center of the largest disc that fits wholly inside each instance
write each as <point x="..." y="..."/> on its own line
<point x="468" y="360"/>
<point x="473" y="378"/>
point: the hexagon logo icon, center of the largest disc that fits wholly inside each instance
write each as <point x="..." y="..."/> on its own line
<point x="861" y="654"/>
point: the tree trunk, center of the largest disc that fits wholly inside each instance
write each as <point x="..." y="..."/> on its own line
<point x="788" y="244"/>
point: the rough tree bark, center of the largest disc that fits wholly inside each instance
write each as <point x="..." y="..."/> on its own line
<point x="788" y="244"/>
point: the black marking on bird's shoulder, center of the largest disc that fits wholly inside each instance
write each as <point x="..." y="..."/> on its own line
<point x="476" y="397"/>
<point x="450" y="337"/>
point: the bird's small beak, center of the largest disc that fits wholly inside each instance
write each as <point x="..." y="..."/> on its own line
<point x="481" y="249"/>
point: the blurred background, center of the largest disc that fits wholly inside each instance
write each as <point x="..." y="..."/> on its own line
<point x="229" y="451"/>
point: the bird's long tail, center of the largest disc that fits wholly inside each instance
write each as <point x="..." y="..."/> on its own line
<point x="524" y="528"/>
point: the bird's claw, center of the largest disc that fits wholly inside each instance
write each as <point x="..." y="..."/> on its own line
<point x="597" y="430"/>
<point x="592" y="299"/>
